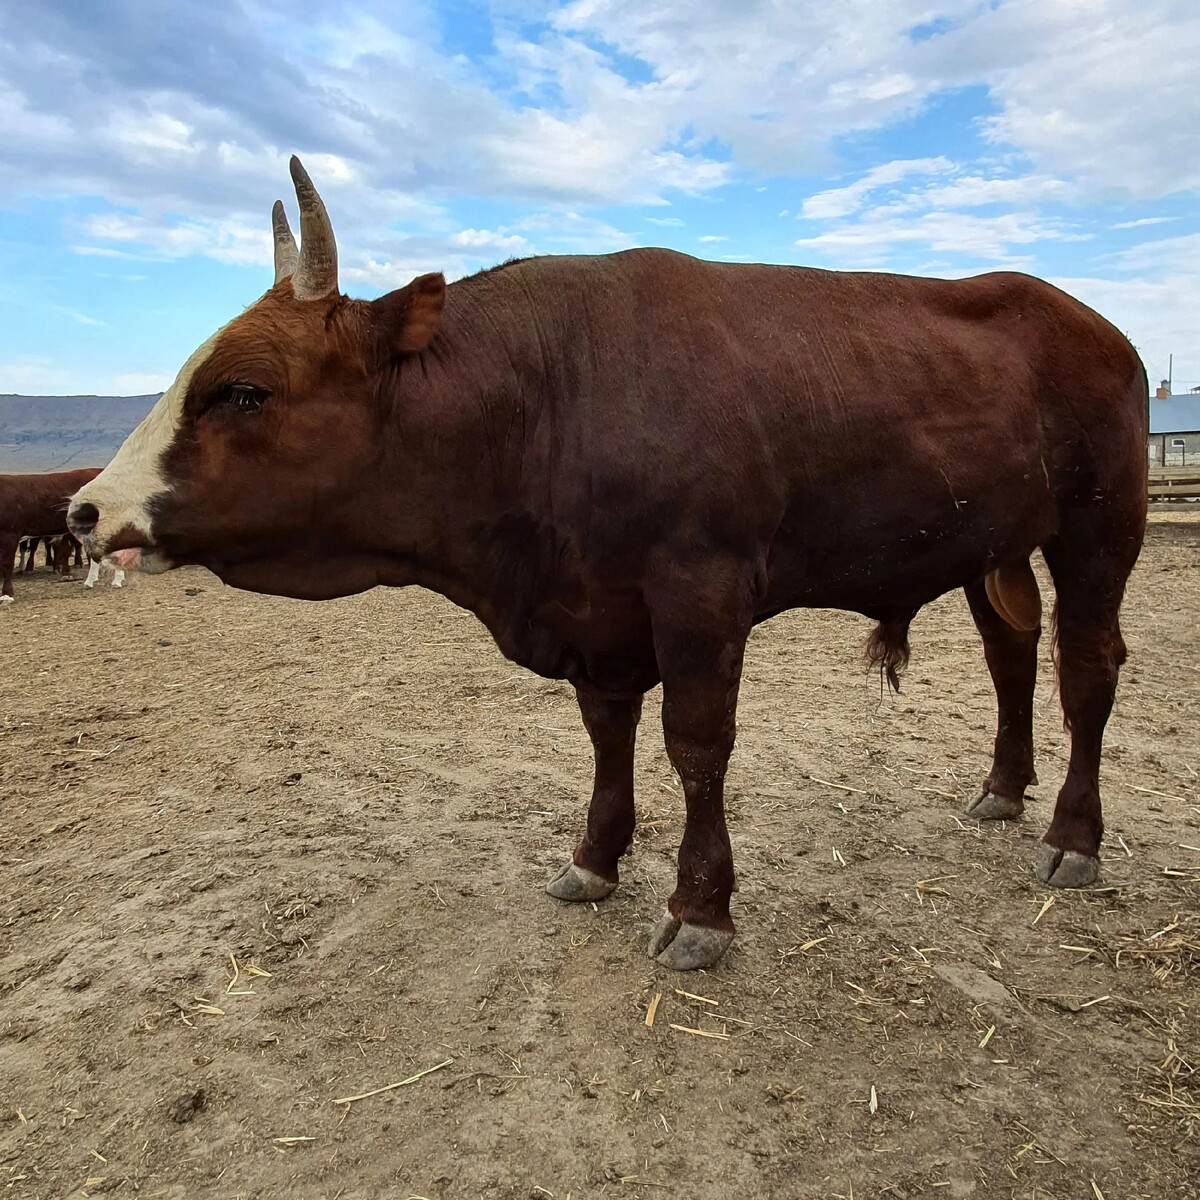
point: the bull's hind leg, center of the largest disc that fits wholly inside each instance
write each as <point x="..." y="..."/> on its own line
<point x="612" y="726"/>
<point x="1089" y="571"/>
<point x="1011" y="656"/>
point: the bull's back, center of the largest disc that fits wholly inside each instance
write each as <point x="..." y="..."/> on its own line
<point x="875" y="439"/>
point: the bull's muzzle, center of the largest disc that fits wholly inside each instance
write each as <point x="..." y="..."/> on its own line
<point x="82" y="520"/>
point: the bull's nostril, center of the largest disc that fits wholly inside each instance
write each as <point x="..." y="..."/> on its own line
<point x="83" y="518"/>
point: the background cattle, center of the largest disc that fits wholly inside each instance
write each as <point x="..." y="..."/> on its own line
<point x="34" y="506"/>
<point x="27" y="552"/>
<point x="623" y="463"/>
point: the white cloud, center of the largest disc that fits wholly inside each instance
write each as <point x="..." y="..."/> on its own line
<point x="32" y="376"/>
<point x="137" y="383"/>
<point x="1163" y="256"/>
<point x="1099" y="92"/>
<point x="1099" y="95"/>
<point x="389" y="262"/>
<point x="712" y="237"/>
<point x="235" y="241"/>
<point x="75" y="315"/>
<point x="841" y="202"/>
<point x="1142" y="221"/>
<point x="870" y="241"/>
<point x="889" y="215"/>
<point x="774" y="81"/>
<point x="492" y="240"/>
<point x="973" y="191"/>
<point x="555" y="231"/>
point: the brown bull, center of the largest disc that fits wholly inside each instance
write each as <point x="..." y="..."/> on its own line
<point x="34" y="505"/>
<point x="622" y="463"/>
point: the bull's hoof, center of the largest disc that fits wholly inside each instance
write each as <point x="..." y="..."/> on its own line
<point x="990" y="807"/>
<point x="576" y="884"/>
<point x="680" y="946"/>
<point x="7" y="599"/>
<point x="1065" y="868"/>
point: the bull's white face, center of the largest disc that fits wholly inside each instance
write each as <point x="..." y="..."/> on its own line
<point x="124" y="491"/>
<point x="232" y="467"/>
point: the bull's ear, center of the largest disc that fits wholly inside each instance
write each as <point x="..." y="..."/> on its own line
<point x="404" y="320"/>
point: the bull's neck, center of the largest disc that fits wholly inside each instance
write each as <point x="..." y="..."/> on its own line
<point x="466" y="453"/>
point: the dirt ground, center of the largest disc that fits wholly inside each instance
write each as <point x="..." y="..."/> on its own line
<point x="257" y="856"/>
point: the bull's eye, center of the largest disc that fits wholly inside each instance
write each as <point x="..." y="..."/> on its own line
<point x="242" y="397"/>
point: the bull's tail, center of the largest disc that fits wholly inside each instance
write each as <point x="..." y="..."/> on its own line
<point x="887" y="647"/>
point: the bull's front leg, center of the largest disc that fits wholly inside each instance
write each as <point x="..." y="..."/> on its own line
<point x="612" y="726"/>
<point x="701" y="667"/>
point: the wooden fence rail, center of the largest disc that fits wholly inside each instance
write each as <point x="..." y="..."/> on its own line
<point x="1174" y="483"/>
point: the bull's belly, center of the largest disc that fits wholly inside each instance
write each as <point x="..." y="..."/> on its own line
<point x="874" y="559"/>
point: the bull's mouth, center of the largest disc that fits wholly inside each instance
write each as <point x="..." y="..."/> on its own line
<point x="131" y="549"/>
<point x="147" y="559"/>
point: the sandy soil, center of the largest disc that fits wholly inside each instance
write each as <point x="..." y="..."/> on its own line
<point x="258" y="855"/>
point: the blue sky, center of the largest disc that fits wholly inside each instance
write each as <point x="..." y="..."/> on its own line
<point x="142" y="143"/>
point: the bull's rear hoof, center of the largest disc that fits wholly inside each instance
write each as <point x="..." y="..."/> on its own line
<point x="6" y="599"/>
<point x="990" y="807"/>
<point x="1065" y="868"/>
<point x="680" y="946"/>
<point x="575" y="884"/>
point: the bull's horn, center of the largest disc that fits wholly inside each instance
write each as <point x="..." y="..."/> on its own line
<point x="316" y="272"/>
<point x="286" y="254"/>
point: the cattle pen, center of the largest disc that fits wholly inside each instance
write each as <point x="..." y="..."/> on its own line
<point x="1174" y="483"/>
<point x="272" y="923"/>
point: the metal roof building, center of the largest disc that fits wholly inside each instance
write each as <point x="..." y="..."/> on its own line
<point x="1175" y="414"/>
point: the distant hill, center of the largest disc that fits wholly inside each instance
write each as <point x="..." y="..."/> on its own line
<point x="60" y="433"/>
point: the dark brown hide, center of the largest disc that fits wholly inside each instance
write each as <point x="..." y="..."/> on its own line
<point x="622" y="463"/>
<point x="35" y="505"/>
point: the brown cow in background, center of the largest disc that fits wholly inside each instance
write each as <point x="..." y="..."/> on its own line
<point x="34" y="505"/>
<point x="59" y="552"/>
<point x="621" y="463"/>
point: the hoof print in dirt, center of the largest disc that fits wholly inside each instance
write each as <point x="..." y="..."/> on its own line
<point x="678" y="946"/>
<point x="575" y="884"/>
<point x="990" y="807"/>
<point x="1066" y="868"/>
<point x="183" y="1108"/>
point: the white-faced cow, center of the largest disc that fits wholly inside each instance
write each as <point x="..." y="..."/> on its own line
<point x="621" y="463"/>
